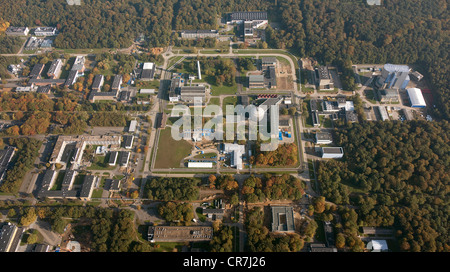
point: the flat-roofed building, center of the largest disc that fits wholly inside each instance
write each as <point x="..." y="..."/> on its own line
<point x="55" y="69"/>
<point x="236" y="151"/>
<point x="147" y="91"/>
<point x="377" y="246"/>
<point x="332" y="152"/>
<point x="8" y="234"/>
<point x="314" y="247"/>
<point x="98" y="82"/>
<point x="79" y="143"/>
<point x="148" y="71"/>
<point x="133" y="126"/>
<point x="128" y="141"/>
<point x="116" y="82"/>
<point x="282" y="219"/>
<point x="72" y="78"/>
<point x="258" y="17"/>
<point x="113" y="158"/>
<point x="383" y="113"/>
<point x="17" y="31"/>
<point x="214" y="214"/>
<point x="88" y="187"/>
<point x="37" y="71"/>
<point x="44" y="89"/>
<point x="324" y="138"/>
<point x="393" y="76"/>
<point x="199" y="34"/>
<point x="179" y="233"/>
<point x="271" y="81"/>
<point x="25" y="89"/>
<point x="45" y="31"/>
<point x="268" y="61"/>
<point x="124" y="158"/>
<point x="192" y="93"/>
<point x="315" y="118"/>
<point x="256" y="81"/>
<point x="324" y="78"/>
<point x="200" y="165"/>
<point x="388" y="96"/>
<point x="78" y="64"/>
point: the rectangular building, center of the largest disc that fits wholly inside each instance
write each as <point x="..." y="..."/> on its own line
<point x="256" y="81"/>
<point x="416" y="98"/>
<point x="324" y="138"/>
<point x="116" y="82"/>
<point x="37" y="71"/>
<point x="113" y="158"/>
<point x="324" y="78"/>
<point x="179" y="233"/>
<point x="282" y="219"/>
<point x="191" y="93"/>
<point x="200" y="164"/>
<point x="332" y="152"/>
<point x="17" y="31"/>
<point x="98" y="82"/>
<point x="45" y="31"/>
<point x="128" y="141"/>
<point x="393" y="77"/>
<point x="133" y="126"/>
<point x="55" y="69"/>
<point x="199" y="34"/>
<point x="78" y="65"/>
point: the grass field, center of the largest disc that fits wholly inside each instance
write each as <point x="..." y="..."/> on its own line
<point x="170" y="152"/>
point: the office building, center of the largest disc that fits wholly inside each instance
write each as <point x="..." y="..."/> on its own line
<point x="332" y="152"/>
<point x="282" y="219"/>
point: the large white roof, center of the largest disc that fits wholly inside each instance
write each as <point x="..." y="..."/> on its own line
<point x="200" y="164"/>
<point x="416" y="97"/>
<point x="377" y="245"/>
<point x="396" y="68"/>
<point x="148" y="66"/>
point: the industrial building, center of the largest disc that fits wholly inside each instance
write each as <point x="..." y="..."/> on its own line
<point x="388" y="96"/>
<point x="324" y="138"/>
<point x="393" y="77"/>
<point x="133" y="126"/>
<point x="175" y="84"/>
<point x="236" y="152"/>
<point x="17" y="31"/>
<point x="45" y="31"/>
<point x="332" y="152"/>
<point x="377" y="246"/>
<point x="192" y="93"/>
<point x="147" y="72"/>
<point x="268" y="61"/>
<point x="258" y="17"/>
<point x="383" y="113"/>
<point x="256" y="81"/>
<point x="416" y="98"/>
<point x="199" y="34"/>
<point x="179" y="233"/>
<point x="200" y="165"/>
<point x="324" y="78"/>
<point x="55" y="69"/>
<point x="78" y="64"/>
<point x="282" y="219"/>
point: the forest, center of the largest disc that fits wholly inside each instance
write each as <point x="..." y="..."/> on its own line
<point x="172" y="189"/>
<point x="397" y="175"/>
<point x="272" y="187"/>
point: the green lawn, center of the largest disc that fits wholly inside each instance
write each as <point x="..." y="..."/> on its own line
<point x="231" y="100"/>
<point x="214" y="101"/>
<point x="101" y="163"/>
<point x="171" y="152"/>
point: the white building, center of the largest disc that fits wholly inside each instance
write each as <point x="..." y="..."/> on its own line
<point x="45" y="31"/>
<point x="377" y="246"/>
<point x="200" y="164"/>
<point x="147" y="91"/>
<point x="332" y="152"/>
<point x="133" y="126"/>
<point x="236" y="152"/>
<point x="416" y="98"/>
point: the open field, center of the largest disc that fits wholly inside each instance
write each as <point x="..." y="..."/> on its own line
<point x="170" y="152"/>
